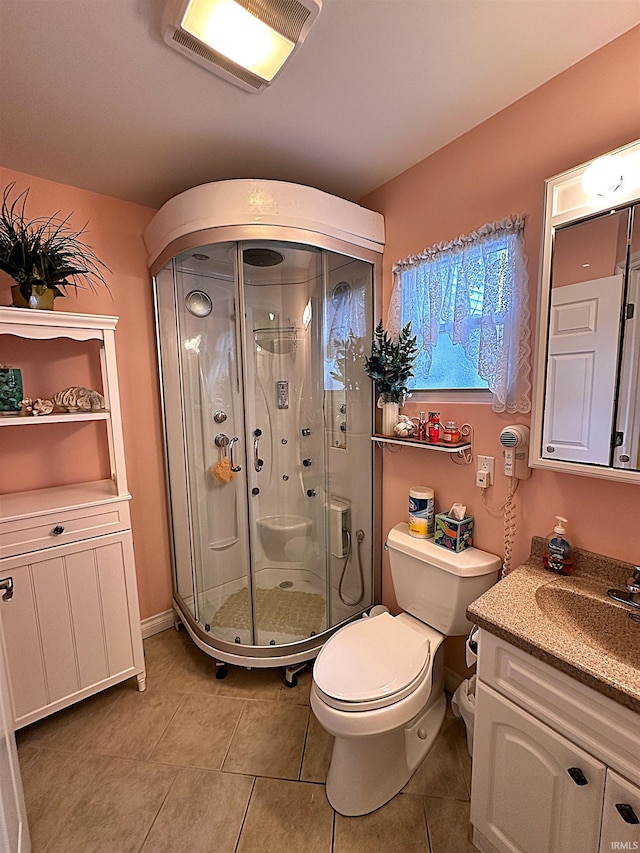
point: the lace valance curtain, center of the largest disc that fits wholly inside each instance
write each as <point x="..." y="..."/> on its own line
<point x="475" y="287"/>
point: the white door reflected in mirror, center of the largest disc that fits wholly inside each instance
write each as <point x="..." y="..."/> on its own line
<point x="586" y="409"/>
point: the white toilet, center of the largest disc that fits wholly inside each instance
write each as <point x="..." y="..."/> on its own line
<point x="378" y="684"/>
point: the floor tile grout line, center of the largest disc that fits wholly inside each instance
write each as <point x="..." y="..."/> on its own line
<point x="426" y="824"/>
<point x="60" y="825"/>
<point x="155" y="817"/>
<point x="304" y="746"/>
<point x="233" y="734"/>
<point x="162" y="733"/>
<point x="246" y="812"/>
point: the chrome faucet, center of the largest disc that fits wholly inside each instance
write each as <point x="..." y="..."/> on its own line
<point x="633" y="585"/>
<point x="632" y="593"/>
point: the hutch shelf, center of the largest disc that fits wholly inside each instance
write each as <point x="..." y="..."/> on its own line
<point x="69" y="609"/>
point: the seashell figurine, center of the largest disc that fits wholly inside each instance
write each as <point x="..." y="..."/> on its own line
<point x="36" y="407"/>
<point x="404" y="428"/>
<point x="42" y="407"/>
<point x="76" y="398"/>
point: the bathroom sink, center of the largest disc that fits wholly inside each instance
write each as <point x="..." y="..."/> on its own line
<point x="580" y="607"/>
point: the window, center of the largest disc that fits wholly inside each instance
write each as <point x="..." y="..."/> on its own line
<point x="467" y="302"/>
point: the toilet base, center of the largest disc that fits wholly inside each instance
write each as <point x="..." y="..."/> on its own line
<point x="366" y="772"/>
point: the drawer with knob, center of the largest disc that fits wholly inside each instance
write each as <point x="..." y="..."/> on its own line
<point x="60" y="527"/>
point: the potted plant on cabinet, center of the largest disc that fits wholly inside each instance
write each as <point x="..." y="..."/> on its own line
<point x="391" y="366"/>
<point x="45" y="256"/>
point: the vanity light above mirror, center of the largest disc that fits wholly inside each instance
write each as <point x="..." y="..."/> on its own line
<point x="586" y="409"/>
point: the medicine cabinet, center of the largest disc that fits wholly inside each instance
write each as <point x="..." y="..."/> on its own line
<point x="586" y="412"/>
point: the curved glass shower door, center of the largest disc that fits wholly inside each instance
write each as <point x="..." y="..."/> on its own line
<point x="268" y="422"/>
<point x="282" y="294"/>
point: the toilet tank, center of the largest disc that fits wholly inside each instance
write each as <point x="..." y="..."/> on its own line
<point x="436" y="585"/>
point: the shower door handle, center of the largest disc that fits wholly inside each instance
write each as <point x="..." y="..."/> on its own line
<point x="234" y="468"/>
<point x="257" y="462"/>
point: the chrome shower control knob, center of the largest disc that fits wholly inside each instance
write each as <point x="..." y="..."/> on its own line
<point x="306" y="432"/>
<point x="311" y="493"/>
<point x="306" y="462"/>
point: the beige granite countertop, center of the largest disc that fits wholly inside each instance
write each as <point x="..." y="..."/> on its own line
<point x="568" y="622"/>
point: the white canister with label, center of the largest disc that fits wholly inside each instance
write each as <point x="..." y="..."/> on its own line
<point x="421" y="511"/>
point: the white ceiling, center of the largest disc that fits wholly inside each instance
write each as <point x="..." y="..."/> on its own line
<point x="91" y="96"/>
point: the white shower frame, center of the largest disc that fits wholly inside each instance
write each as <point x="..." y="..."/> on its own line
<point x="234" y="211"/>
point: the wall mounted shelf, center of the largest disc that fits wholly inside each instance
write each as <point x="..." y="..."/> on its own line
<point x="57" y="418"/>
<point x="462" y="449"/>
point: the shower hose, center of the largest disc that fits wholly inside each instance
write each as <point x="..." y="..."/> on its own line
<point x="343" y="597"/>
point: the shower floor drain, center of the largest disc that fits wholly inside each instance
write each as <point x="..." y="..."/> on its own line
<point x="286" y="584"/>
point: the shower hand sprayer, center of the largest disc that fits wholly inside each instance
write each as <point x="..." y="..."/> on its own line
<point x="342" y="547"/>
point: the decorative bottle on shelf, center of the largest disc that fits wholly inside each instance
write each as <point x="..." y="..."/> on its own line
<point x="434" y="426"/>
<point x="422" y="428"/>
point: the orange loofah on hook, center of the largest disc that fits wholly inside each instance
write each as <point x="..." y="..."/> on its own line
<point x="221" y="472"/>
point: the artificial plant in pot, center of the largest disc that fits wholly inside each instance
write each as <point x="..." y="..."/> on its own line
<point x="391" y="366"/>
<point x="44" y="256"/>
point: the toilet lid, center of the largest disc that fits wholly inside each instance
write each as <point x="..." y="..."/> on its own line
<point x="373" y="658"/>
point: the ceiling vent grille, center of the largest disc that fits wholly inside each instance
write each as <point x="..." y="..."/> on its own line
<point x="191" y="44"/>
<point x="286" y="16"/>
<point x="291" y="18"/>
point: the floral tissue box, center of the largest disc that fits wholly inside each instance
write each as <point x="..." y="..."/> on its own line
<point x="453" y="534"/>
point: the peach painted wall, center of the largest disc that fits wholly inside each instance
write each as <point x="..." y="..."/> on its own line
<point x="496" y="169"/>
<point x="115" y="233"/>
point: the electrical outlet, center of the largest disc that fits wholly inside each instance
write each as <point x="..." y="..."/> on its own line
<point x="487" y="464"/>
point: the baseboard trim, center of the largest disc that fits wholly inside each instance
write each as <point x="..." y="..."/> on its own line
<point x="159" y="622"/>
<point x="451" y="680"/>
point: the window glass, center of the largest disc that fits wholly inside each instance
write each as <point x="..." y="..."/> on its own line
<point x="467" y="303"/>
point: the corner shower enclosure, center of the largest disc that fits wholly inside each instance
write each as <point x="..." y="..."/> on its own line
<point x="263" y="326"/>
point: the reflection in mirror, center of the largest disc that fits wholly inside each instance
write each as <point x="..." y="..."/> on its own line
<point x="586" y="410"/>
<point x="626" y="452"/>
<point x="587" y="285"/>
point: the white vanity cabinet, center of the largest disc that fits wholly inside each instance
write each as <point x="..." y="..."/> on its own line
<point x="620" y="815"/>
<point x="556" y="765"/>
<point x="67" y="572"/>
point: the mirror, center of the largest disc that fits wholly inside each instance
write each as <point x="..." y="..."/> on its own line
<point x="586" y="414"/>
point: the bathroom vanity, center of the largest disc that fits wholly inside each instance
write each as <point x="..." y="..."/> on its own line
<point x="556" y="762"/>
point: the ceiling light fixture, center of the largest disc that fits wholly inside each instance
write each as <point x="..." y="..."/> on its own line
<point x="245" y="41"/>
<point x="602" y="177"/>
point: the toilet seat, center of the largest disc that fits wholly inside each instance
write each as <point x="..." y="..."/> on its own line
<point x="372" y="663"/>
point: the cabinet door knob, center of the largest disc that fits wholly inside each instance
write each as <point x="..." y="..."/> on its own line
<point x="58" y="530"/>
<point x="578" y="776"/>
<point x="627" y="813"/>
<point x="7" y="586"/>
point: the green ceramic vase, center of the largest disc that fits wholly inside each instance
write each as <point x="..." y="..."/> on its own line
<point x="10" y="390"/>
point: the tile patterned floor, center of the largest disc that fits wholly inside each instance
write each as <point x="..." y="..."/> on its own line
<point x="196" y="765"/>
